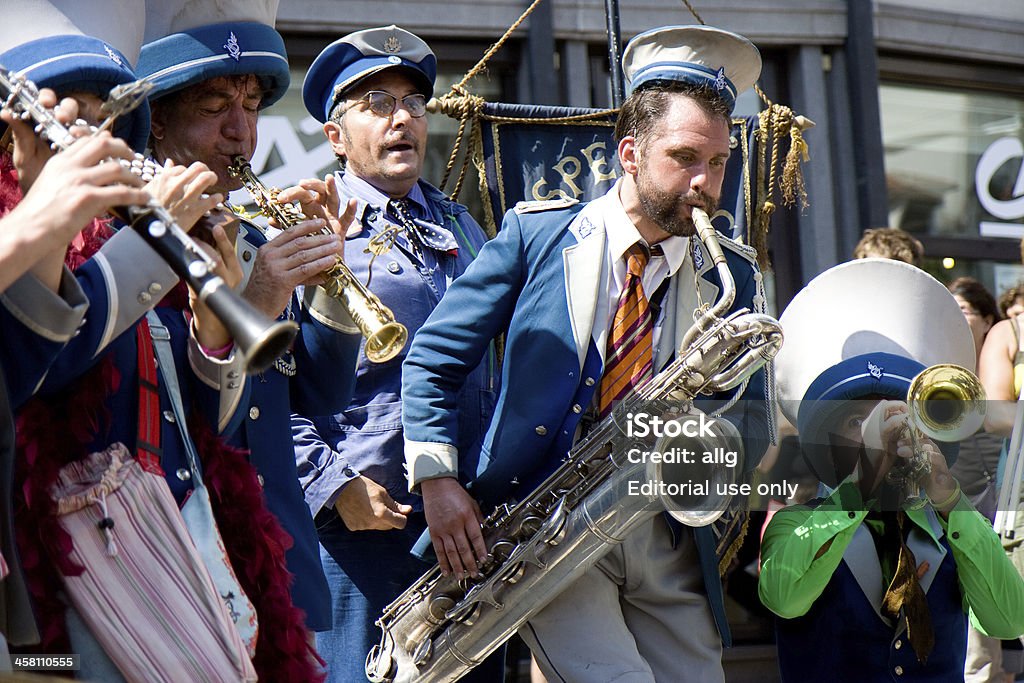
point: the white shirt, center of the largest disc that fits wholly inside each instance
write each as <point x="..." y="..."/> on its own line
<point x="621" y="234"/>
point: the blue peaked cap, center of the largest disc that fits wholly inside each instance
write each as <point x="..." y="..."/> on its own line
<point x="181" y="59"/>
<point x="69" y="63"/>
<point x="347" y="61"/>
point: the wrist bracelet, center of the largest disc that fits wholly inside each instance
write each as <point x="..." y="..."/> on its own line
<point x="952" y="498"/>
<point x="221" y="352"/>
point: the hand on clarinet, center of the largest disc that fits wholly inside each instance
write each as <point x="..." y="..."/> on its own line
<point x="208" y="329"/>
<point x="182" y="191"/>
<point x="31" y="151"/>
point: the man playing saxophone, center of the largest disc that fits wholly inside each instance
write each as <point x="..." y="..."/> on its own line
<point x="595" y="299"/>
<point x="370" y="90"/>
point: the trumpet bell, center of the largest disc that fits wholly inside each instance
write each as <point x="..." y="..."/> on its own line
<point x="386" y="342"/>
<point x="947" y="402"/>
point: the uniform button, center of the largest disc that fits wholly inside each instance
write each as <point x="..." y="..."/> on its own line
<point x="956" y="534"/>
<point x="233" y="374"/>
<point x="577" y="408"/>
<point x="898" y="644"/>
<point x="254" y="413"/>
<point x="247" y="256"/>
<point x="155" y="288"/>
<point x="349" y="472"/>
<point x="259" y="478"/>
<point x="898" y="670"/>
<point x="232" y="385"/>
<point x="589" y="381"/>
<point x="541" y="430"/>
<point x="169" y="416"/>
<point x="853" y="514"/>
<point x="184" y="474"/>
<point x="144" y="297"/>
<point x="393" y="267"/>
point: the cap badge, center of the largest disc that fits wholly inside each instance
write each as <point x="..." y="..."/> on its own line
<point x="234" y="51"/>
<point x="392" y="45"/>
<point x="874" y="370"/>
<point x="113" y="55"/>
<point x="720" y="82"/>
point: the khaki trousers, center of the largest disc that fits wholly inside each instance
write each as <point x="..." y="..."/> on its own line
<point x="639" y="615"/>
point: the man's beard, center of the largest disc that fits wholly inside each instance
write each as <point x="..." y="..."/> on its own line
<point x="671" y="212"/>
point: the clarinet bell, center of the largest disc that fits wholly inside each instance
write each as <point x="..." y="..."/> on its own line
<point x="259" y="339"/>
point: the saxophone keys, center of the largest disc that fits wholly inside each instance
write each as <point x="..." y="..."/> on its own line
<point x="424" y="651"/>
<point x="465" y="612"/>
<point x="440" y="606"/>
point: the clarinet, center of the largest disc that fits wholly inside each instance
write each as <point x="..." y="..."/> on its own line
<point x="259" y="339"/>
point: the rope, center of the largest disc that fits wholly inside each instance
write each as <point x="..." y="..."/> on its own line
<point x="455" y="152"/>
<point x="693" y="11"/>
<point x="460" y="86"/>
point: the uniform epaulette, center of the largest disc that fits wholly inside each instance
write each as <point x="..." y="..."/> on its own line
<point x="544" y="205"/>
<point x="744" y="250"/>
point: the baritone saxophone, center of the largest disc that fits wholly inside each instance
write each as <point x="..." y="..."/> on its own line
<point x="385" y="337"/>
<point x="441" y="627"/>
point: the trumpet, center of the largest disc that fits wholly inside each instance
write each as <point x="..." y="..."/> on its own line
<point x="259" y="339"/>
<point x="385" y="337"/>
<point x="946" y="403"/>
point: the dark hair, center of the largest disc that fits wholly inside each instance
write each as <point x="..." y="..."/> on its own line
<point x="891" y="243"/>
<point x="974" y="293"/>
<point x="644" y="107"/>
<point x="1009" y="296"/>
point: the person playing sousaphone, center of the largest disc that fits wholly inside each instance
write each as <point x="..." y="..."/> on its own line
<point x="881" y="570"/>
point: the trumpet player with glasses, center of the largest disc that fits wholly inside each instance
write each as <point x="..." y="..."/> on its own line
<point x="876" y="578"/>
<point x="596" y="300"/>
<point x="215" y="67"/>
<point x="408" y="243"/>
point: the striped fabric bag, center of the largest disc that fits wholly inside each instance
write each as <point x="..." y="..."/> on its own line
<point x="145" y="593"/>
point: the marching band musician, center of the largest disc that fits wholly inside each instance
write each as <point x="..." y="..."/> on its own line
<point x="214" y="68"/>
<point x="54" y="46"/>
<point x="33" y="228"/>
<point x="554" y="278"/>
<point x="878" y="583"/>
<point x="370" y="90"/>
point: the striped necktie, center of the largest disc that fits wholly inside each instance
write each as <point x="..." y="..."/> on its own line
<point x="629" y="360"/>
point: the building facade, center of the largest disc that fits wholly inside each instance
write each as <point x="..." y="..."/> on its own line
<point x="918" y="105"/>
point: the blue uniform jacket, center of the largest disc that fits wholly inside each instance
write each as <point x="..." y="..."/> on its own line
<point x="324" y="363"/>
<point x="122" y="281"/>
<point x="35" y="323"/>
<point x="538" y="280"/>
<point x="366" y="438"/>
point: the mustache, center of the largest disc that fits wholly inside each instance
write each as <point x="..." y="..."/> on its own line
<point x="399" y="138"/>
<point x="707" y="202"/>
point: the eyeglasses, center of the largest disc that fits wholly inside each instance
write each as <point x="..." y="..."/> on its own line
<point x="384" y="104"/>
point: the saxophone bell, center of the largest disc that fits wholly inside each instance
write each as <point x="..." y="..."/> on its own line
<point x="693" y="483"/>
